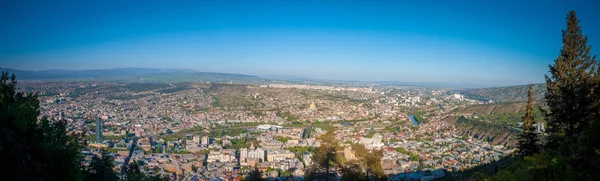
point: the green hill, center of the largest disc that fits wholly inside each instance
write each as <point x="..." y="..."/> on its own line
<point x="507" y="94"/>
<point x="497" y="123"/>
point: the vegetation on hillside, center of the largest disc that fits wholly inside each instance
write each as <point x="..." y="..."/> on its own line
<point x="507" y="94"/>
<point x="497" y="122"/>
<point x="229" y="96"/>
<point x="495" y="133"/>
<point x="32" y="149"/>
<point x="498" y="113"/>
<point x="572" y="149"/>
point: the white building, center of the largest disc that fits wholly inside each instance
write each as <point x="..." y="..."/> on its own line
<point x="458" y="97"/>
<point x="374" y="142"/>
<point x="307" y="159"/>
<point x="218" y="156"/>
<point x="205" y="141"/>
<point x="279" y="155"/>
<point x="252" y="153"/>
<point x="268" y="127"/>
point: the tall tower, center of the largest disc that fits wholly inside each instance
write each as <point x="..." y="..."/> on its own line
<point x="99" y="130"/>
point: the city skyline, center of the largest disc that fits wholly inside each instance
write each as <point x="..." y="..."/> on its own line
<point x="508" y="43"/>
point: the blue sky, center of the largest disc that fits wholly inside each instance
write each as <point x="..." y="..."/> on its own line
<point x="481" y="41"/>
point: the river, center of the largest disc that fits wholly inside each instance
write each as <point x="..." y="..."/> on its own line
<point x="413" y="119"/>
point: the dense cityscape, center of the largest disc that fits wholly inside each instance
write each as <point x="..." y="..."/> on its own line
<point x="208" y="131"/>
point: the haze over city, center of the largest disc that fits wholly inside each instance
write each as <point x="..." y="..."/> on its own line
<point x="478" y="42"/>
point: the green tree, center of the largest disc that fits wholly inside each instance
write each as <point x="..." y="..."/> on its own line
<point x="353" y="171"/>
<point x="572" y="150"/>
<point x="570" y="89"/>
<point x="101" y="168"/>
<point x="325" y="158"/>
<point x="282" y="139"/>
<point x="574" y="105"/>
<point x="32" y="149"/>
<point x="370" y="161"/>
<point x="528" y="139"/>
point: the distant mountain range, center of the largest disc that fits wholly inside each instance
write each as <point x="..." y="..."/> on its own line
<point x="183" y="75"/>
<point x="132" y="74"/>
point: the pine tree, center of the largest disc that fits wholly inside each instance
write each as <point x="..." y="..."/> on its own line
<point x="528" y="139"/>
<point x="571" y="88"/>
<point x="574" y="105"/>
<point x="572" y="150"/>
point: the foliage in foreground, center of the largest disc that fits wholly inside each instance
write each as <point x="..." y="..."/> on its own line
<point x="32" y="149"/>
<point x="573" y="148"/>
<point x="44" y="150"/>
<point x="327" y="161"/>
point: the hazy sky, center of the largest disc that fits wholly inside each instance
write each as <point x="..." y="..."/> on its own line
<point x="480" y="41"/>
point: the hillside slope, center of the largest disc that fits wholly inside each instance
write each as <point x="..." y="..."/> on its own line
<point x="497" y="123"/>
<point x="507" y="94"/>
